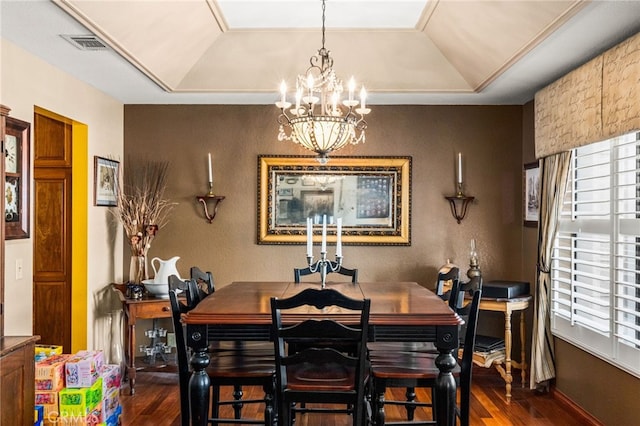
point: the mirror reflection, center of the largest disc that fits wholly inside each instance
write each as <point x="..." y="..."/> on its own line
<point x="361" y="200"/>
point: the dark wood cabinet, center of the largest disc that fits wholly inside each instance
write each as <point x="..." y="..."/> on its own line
<point x="17" y="388"/>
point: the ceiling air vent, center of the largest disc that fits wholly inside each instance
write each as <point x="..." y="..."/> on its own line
<point x="88" y="42"/>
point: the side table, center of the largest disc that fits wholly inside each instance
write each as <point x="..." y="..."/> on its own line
<point x="508" y="306"/>
<point x="134" y="309"/>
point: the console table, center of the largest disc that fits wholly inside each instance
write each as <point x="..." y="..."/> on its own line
<point x="508" y="306"/>
<point x="134" y="309"/>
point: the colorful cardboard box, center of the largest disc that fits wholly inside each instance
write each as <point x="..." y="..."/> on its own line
<point x="38" y="415"/>
<point x="50" y="373"/>
<point x="110" y="402"/>
<point x="75" y="402"/>
<point x="111" y="377"/>
<point x="114" y="419"/>
<point x="47" y="398"/>
<point x="45" y="351"/>
<point x="83" y="369"/>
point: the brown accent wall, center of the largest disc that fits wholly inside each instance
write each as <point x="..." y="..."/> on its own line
<point x="605" y="391"/>
<point x="489" y="137"/>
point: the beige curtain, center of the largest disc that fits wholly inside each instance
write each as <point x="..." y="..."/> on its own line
<point x="555" y="171"/>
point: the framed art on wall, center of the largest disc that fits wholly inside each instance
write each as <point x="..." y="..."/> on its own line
<point x="531" y="194"/>
<point x="105" y="182"/>
<point x="372" y="195"/>
<point x="16" y="185"/>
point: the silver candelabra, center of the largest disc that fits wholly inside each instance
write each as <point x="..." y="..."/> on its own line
<point x="324" y="266"/>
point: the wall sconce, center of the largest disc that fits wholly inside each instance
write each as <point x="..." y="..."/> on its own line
<point x="215" y="199"/>
<point x="459" y="202"/>
<point x="210" y="197"/>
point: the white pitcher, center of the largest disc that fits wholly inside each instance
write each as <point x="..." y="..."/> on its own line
<point x="167" y="268"/>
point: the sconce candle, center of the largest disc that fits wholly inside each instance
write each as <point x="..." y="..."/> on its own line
<point x="459" y="167"/>
<point x="210" y="170"/>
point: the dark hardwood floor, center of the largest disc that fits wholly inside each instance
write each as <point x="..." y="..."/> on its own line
<point x="156" y="403"/>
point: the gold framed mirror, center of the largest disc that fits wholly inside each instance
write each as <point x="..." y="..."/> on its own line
<point x="372" y="195"/>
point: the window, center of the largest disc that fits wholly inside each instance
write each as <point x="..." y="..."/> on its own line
<point x="595" y="270"/>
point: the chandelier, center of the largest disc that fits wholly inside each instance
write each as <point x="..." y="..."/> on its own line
<point x="321" y="121"/>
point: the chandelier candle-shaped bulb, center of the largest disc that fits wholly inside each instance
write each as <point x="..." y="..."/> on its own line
<point x="352" y="88"/>
<point x="460" y="168"/>
<point x="323" y="247"/>
<point x="298" y="99"/>
<point x="363" y="98"/>
<point x="283" y="92"/>
<point x="310" y="84"/>
<point x="339" y="237"/>
<point x="309" y="237"/>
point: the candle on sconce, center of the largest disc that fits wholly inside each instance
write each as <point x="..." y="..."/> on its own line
<point x="339" y="237"/>
<point x="210" y="170"/>
<point x="459" y="167"/>
<point x="309" y="237"/>
<point x="323" y="248"/>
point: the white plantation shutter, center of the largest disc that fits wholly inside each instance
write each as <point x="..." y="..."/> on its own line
<point x="596" y="256"/>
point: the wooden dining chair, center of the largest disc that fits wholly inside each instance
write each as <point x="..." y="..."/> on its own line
<point x="236" y="367"/>
<point x="413" y="369"/>
<point x="203" y="279"/>
<point x="448" y="289"/>
<point x="300" y="272"/>
<point x="319" y="373"/>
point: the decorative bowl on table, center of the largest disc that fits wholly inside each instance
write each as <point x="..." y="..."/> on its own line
<point x="157" y="290"/>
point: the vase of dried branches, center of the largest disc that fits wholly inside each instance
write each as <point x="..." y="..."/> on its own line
<point x="142" y="210"/>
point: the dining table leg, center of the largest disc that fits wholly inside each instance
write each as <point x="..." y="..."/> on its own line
<point x="199" y="382"/>
<point x="445" y="389"/>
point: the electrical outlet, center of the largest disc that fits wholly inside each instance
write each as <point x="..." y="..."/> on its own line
<point x="18" y="269"/>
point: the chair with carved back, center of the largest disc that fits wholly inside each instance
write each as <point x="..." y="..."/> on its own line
<point x="300" y="272"/>
<point x="236" y="367"/>
<point x="447" y="285"/>
<point x="203" y="279"/>
<point x="320" y="373"/>
<point x="412" y="369"/>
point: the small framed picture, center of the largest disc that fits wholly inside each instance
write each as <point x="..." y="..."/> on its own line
<point x="16" y="184"/>
<point x="531" y="194"/>
<point x="105" y="182"/>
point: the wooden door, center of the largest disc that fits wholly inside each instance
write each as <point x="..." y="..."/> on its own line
<point x="52" y="231"/>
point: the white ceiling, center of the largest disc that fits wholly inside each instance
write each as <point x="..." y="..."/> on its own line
<point x="237" y="51"/>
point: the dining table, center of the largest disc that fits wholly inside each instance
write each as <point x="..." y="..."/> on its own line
<point x="400" y="311"/>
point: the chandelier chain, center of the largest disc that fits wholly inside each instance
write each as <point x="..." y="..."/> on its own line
<point x="324" y="7"/>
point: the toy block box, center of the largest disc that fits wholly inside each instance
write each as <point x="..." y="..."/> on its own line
<point x="77" y="402"/>
<point x="110" y="403"/>
<point x="49" y="373"/>
<point x="83" y="369"/>
<point x="47" y="398"/>
<point x="111" y="377"/>
<point x="38" y="415"/>
<point x="114" y="419"/>
<point x="45" y="351"/>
